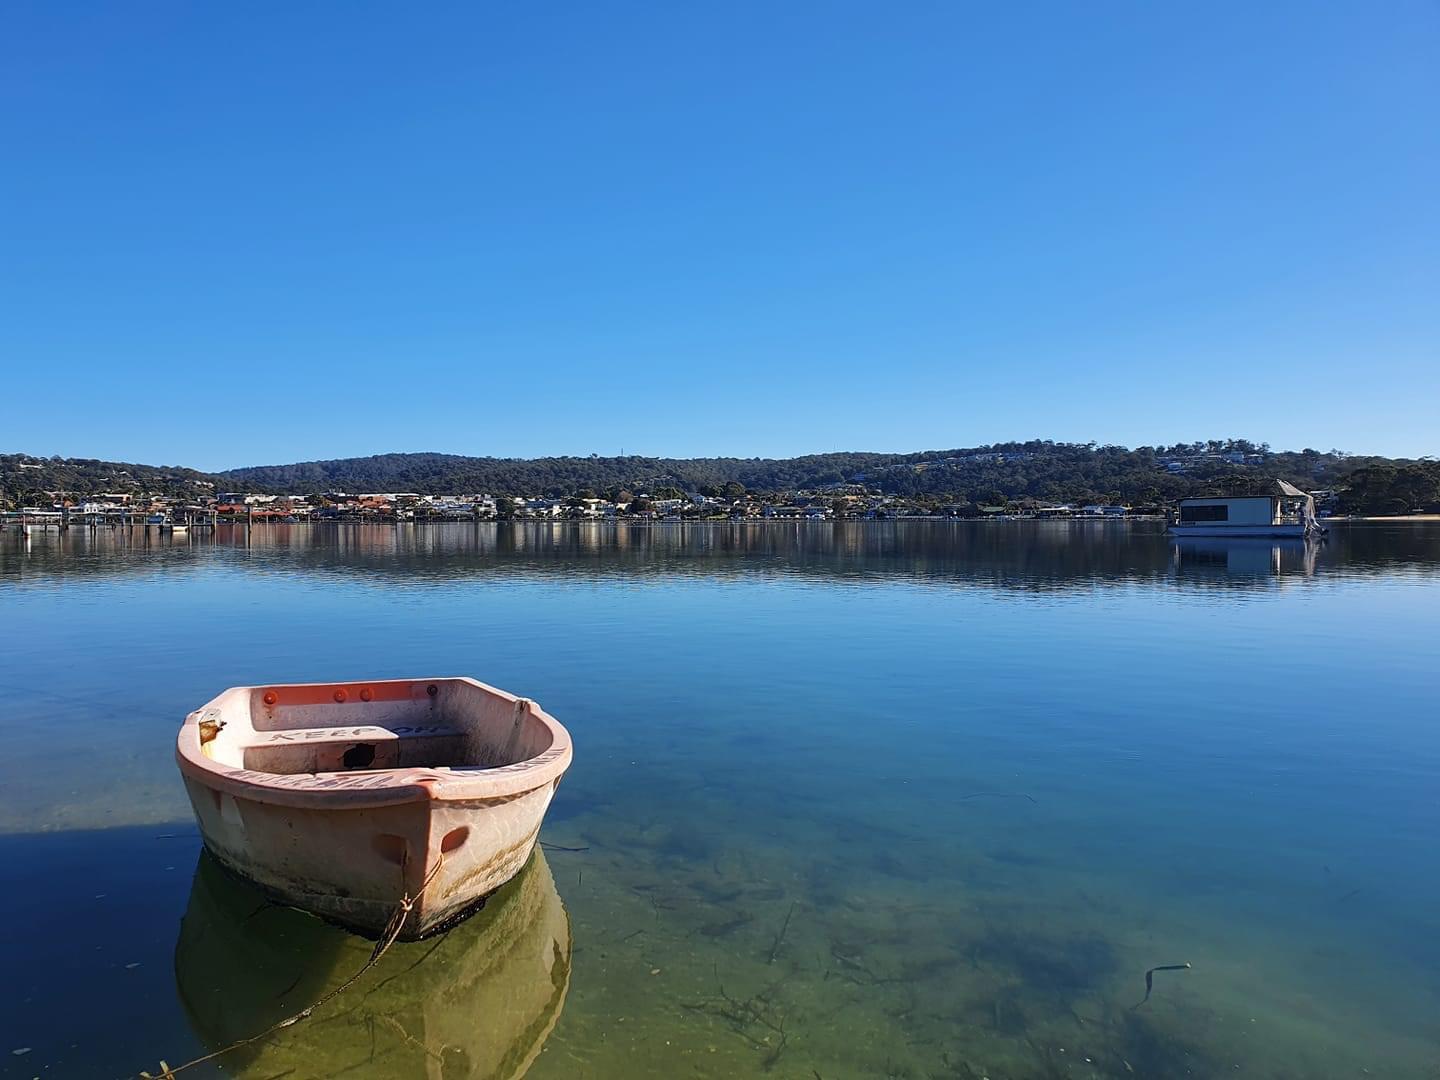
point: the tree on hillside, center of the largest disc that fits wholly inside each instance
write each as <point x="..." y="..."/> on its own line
<point x="1387" y="489"/>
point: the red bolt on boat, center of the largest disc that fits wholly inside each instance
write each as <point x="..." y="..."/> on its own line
<point x="343" y="799"/>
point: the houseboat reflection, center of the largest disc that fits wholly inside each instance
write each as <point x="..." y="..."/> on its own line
<point x="1243" y="558"/>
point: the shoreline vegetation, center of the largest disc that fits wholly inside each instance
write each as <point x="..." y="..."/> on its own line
<point x="1038" y="479"/>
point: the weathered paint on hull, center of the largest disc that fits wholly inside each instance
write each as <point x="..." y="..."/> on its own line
<point x="324" y="861"/>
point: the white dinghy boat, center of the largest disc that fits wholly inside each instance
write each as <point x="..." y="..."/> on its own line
<point x="347" y="799"/>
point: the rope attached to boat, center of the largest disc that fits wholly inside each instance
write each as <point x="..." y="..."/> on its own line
<point x="387" y="938"/>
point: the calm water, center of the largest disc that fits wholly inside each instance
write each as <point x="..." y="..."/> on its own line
<point x="916" y="800"/>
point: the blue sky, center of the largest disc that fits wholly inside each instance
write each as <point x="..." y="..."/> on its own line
<point x="241" y="234"/>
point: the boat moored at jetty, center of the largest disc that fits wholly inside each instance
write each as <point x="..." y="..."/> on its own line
<point x="347" y="799"/>
<point x="1282" y="511"/>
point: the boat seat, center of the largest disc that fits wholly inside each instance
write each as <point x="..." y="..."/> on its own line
<point x="353" y="747"/>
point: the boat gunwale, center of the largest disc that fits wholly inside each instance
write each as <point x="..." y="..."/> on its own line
<point x="377" y="787"/>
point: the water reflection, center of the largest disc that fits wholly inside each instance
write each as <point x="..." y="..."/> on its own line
<point x="1247" y="558"/>
<point x="477" y="1002"/>
<point x="1007" y="556"/>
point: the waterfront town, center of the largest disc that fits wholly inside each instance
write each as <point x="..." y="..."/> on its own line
<point x="851" y="502"/>
<point x="840" y="502"/>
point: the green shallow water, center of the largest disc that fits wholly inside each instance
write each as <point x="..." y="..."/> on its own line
<point x="915" y="800"/>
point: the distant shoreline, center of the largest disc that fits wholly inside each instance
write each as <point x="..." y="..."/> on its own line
<point x="262" y="523"/>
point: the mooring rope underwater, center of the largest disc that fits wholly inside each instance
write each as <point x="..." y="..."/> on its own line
<point x="387" y="938"/>
<point x="1150" y="980"/>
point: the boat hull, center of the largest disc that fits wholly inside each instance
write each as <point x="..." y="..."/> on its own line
<point x="1294" y="532"/>
<point x="330" y="863"/>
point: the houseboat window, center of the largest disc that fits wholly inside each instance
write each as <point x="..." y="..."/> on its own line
<point x="1212" y="512"/>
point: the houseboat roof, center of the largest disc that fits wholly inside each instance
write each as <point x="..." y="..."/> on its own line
<point x="1275" y="489"/>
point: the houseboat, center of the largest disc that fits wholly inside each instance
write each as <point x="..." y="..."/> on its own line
<point x="348" y="800"/>
<point x="1282" y="511"/>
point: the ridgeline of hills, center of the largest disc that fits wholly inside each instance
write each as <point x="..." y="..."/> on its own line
<point x="1037" y="470"/>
